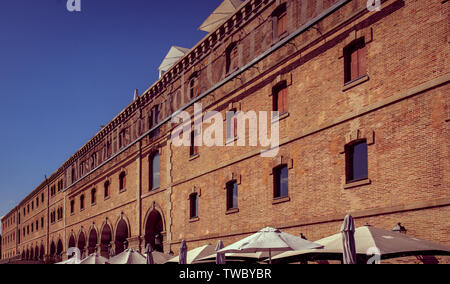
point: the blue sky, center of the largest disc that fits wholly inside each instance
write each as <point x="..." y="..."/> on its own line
<point x="64" y="74"/>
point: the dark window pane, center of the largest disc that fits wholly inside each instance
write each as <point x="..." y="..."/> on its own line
<point x="281" y="182"/>
<point x="194" y="205"/>
<point x="155" y="183"/>
<point x="357" y="162"/>
<point x="232" y="195"/>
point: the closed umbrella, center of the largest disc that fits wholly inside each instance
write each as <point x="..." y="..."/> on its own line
<point x="270" y="240"/>
<point x="148" y="251"/>
<point x="220" y="257"/>
<point x="348" y="240"/>
<point x="183" y="253"/>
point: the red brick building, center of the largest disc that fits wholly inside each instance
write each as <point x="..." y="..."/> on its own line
<point x="364" y="129"/>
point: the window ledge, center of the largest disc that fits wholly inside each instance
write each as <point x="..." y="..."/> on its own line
<point x="281" y="200"/>
<point x="356" y="82"/>
<point x="194" y="157"/>
<point x="122" y="190"/>
<point x="108" y="197"/>
<point x="93" y="204"/>
<point x="358" y="183"/>
<point x="193" y="220"/>
<point x="280" y="117"/>
<point x="232" y="211"/>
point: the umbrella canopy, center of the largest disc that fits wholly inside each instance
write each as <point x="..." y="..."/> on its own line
<point x="72" y="260"/>
<point x="129" y="256"/>
<point x="220" y="257"/>
<point x="270" y="240"/>
<point x="94" y="259"/>
<point x="386" y="243"/>
<point x="348" y="240"/>
<point x="159" y="257"/>
<point x="193" y="256"/>
<point x="241" y="257"/>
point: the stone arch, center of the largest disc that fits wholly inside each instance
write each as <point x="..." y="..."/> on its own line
<point x="27" y="254"/>
<point x="31" y="256"/>
<point x="154" y="228"/>
<point x="92" y="239"/>
<point x="106" y="238"/>
<point x="72" y="242"/>
<point x="121" y="234"/>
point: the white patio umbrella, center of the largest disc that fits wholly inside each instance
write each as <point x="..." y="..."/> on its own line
<point x="72" y="260"/>
<point x="270" y="240"/>
<point x="193" y="256"/>
<point x="128" y="256"/>
<point x="368" y="241"/>
<point x="94" y="259"/>
<point x="241" y="257"/>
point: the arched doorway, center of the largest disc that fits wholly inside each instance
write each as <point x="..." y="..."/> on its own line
<point x="72" y="244"/>
<point x="31" y="254"/>
<point x="23" y="255"/>
<point x="82" y="244"/>
<point x="105" y="241"/>
<point x="122" y="234"/>
<point x="42" y="253"/>
<point x="93" y="239"/>
<point x="52" y="249"/>
<point x="153" y="228"/>
<point x="59" y="250"/>
<point x="36" y="253"/>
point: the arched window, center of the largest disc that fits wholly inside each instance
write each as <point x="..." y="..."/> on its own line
<point x="232" y="58"/>
<point x="93" y="196"/>
<point x="193" y="88"/>
<point x="122" y="181"/>
<point x="155" y="171"/>
<point x="106" y="188"/>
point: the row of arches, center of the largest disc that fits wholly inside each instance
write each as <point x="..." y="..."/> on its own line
<point x="116" y="238"/>
<point x="106" y="241"/>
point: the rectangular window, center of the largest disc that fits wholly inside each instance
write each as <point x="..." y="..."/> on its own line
<point x="72" y="206"/>
<point x="355" y="60"/>
<point x="193" y="148"/>
<point x="279" y="18"/>
<point x="232" y="123"/>
<point x="107" y="189"/>
<point x="281" y="181"/>
<point x="357" y="162"/>
<point x="82" y="202"/>
<point x="280" y="99"/>
<point x="193" y="198"/>
<point x="232" y="195"/>
<point x="122" y="181"/>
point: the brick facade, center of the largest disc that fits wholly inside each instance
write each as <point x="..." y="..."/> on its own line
<point x="400" y="107"/>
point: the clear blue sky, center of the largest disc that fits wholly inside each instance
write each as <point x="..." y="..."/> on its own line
<point x="63" y="74"/>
